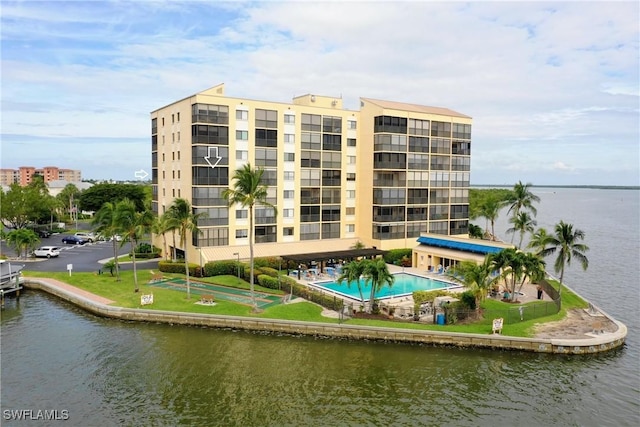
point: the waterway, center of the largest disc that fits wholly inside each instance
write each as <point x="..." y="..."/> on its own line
<point x="111" y="373"/>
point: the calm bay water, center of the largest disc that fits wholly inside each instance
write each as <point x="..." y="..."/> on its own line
<point x="106" y="372"/>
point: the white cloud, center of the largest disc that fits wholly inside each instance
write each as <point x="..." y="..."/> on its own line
<point x="546" y="83"/>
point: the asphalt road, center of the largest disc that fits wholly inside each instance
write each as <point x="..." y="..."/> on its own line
<point x="83" y="258"/>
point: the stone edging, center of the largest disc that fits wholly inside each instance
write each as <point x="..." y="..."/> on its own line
<point x="597" y="344"/>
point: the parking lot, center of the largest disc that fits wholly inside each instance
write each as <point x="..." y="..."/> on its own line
<point x="83" y="258"/>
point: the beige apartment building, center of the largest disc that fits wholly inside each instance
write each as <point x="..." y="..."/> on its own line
<point x="381" y="176"/>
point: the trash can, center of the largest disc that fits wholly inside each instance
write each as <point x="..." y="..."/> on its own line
<point x="440" y="318"/>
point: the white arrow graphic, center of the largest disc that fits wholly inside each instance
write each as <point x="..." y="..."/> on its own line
<point x="141" y="174"/>
<point x="208" y="156"/>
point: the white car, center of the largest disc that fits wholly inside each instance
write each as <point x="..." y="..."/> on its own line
<point x="86" y="236"/>
<point x="47" y="251"/>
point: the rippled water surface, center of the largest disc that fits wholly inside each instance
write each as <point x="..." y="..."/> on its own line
<point x="107" y="372"/>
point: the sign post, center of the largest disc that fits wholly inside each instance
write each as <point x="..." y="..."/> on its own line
<point x="69" y="268"/>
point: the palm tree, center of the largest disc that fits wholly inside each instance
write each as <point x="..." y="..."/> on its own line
<point x="351" y="273"/>
<point x="539" y="240"/>
<point x="182" y="216"/>
<point x="533" y="269"/>
<point x="490" y="209"/>
<point x="565" y="242"/>
<point x="106" y="225"/>
<point x="133" y="225"/>
<point x="22" y="240"/>
<point x="511" y="263"/>
<point x="522" y="198"/>
<point x="477" y="277"/>
<point x="377" y="272"/>
<point x="249" y="191"/>
<point x="162" y="224"/>
<point x="522" y="222"/>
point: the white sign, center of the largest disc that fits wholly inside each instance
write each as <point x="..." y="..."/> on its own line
<point x="497" y="325"/>
<point x="146" y="299"/>
<point x="69" y="268"/>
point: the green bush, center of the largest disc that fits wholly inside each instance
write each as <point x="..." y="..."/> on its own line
<point x="420" y="297"/>
<point x="267" y="281"/>
<point x="270" y="271"/>
<point x="468" y="300"/>
<point x="395" y="256"/>
<point x="272" y="262"/>
<point x="221" y="268"/>
<point x="178" y="268"/>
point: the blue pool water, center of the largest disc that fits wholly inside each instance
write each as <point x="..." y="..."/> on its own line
<point x="404" y="284"/>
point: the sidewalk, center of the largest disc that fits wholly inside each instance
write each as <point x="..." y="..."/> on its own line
<point x="77" y="291"/>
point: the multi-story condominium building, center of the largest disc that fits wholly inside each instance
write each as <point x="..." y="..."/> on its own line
<point x="380" y="176"/>
<point x="24" y="175"/>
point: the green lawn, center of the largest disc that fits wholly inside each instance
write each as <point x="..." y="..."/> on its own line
<point x="123" y="295"/>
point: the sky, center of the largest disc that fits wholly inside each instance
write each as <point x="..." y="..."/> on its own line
<point x="552" y="87"/>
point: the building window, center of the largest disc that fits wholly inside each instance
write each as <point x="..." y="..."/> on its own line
<point x="266" y="138"/>
<point x="311" y="122"/>
<point x="289" y="138"/>
<point x="351" y="194"/>
<point x="332" y="124"/>
<point x="287" y="213"/>
<point x="242" y="115"/>
<point x="288" y="194"/>
<point x="311" y="141"/>
<point x="289" y="176"/>
<point x="351" y="176"/>
<point x="242" y="233"/>
<point x="178" y="136"/>
<point x="173" y="119"/>
<point x="289" y="119"/>
<point x="351" y="142"/>
<point x="351" y="160"/>
<point x="205" y="113"/>
<point x="242" y="155"/>
<point x="352" y="124"/>
<point x="266" y="119"/>
<point x="351" y="211"/>
<point x="351" y="228"/>
<point x="287" y="231"/>
<point x="242" y="214"/>
<point x="178" y="117"/>
<point x="266" y="157"/>
<point x="289" y="157"/>
<point x="242" y="135"/>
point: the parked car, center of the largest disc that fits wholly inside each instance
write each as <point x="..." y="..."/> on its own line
<point x="89" y="237"/>
<point x="74" y="240"/>
<point x="47" y="251"/>
<point x="43" y="233"/>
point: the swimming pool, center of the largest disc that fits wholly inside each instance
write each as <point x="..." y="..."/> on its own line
<point x="404" y="284"/>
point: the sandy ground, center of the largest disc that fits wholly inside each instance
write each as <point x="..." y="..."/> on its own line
<point x="577" y="324"/>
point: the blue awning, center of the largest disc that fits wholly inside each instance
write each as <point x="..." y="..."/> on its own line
<point x="460" y="246"/>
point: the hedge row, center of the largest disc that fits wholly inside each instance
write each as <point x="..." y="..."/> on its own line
<point x="178" y="267"/>
<point x="399" y="257"/>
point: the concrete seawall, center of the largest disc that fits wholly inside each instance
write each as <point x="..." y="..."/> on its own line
<point x="595" y="344"/>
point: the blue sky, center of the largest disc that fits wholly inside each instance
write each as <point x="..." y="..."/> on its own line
<point x="553" y="88"/>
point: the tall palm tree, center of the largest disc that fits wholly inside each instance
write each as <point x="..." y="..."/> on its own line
<point x="512" y="265"/>
<point x="377" y="272"/>
<point x="182" y="215"/>
<point x="533" y="269"/>
<point x="522" y="223"/>
<point x="351" y="273"/>
<point x="249" y="191"/>
<point x="539" y="240"/>
<point x="565" y="242"/>
<point x="489" y="209"/>
<point x="162" y="224"/>
<point x="105" y="221"/>
<point x="133" y="225"/>
<point x="476" y="277"/>
<point x="522" y="198"/>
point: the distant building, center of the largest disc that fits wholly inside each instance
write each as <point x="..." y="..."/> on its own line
<point x="24" y="175"/>
<point x="56" y="187"/>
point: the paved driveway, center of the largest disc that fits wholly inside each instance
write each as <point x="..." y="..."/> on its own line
<point x="83" y="258"/>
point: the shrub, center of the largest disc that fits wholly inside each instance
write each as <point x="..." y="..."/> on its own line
<point x="420" y="297"/>
<point x="468" y="300"/>
<point x="270" y="271"/>
<point x="178" y="268"/>
<point x="272" y="262"/>
<point x="267" y="281"/>
<point x="396" y="256"/>
<point x="221" y="268"/>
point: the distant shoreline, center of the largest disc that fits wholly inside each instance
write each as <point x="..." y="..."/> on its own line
<point x="594" y="187"/>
